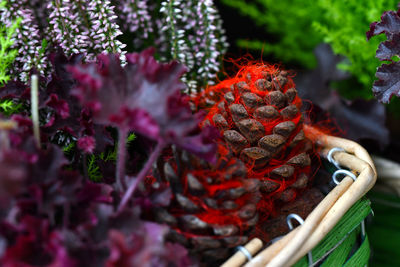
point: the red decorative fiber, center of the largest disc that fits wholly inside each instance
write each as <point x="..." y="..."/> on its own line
<point x="250" y="74"/>
<point x="263" y="162"/>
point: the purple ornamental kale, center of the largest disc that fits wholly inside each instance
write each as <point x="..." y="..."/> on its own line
<point x="145" y="248"/>
<point x="61" y="110"/>
<point x="388" y="74"/>
<point x="44" y="200"/>
<point x="51" y="215"/>
<point x="32" y="243"/>
<point x="56" y="218"/>
<point x="145" y="97"/>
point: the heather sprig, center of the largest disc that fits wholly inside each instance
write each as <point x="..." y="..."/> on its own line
<point x="104" y="29"/>
<point x="174" y="24"/>
<point x="7" y="54"/>
<point x="188" y="31"/>
<point x="27" y="40"/>
<point x="195" y="33"/>
<point x="64" y="27"/>
<point x="87" y="27"/>
<point x="136" y="17"/>
<point x="208" y="49"/>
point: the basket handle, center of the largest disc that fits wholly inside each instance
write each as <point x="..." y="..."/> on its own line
<point x="298" y="242"/>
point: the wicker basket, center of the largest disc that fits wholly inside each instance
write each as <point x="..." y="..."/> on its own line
<point x="328" y="234"/>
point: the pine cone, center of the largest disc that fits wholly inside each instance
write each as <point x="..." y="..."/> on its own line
<point x="258" y="115"/>
<point x="263" y="162"/>
<point x="214" y="207"/>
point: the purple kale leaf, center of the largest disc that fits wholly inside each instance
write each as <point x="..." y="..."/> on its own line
<point x="34" y="244"/>
<point x="388" y="83"/>
<point x="15" y="89"/>
<point x="68" y="115"/>
<point x="145" y="248"/>
<point x="144" y="96"/>
<point x="13" y="176"/>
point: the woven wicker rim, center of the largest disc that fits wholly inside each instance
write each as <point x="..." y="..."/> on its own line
<point x="297" y="243"/>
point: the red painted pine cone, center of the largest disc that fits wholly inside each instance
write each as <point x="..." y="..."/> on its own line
<point x="214" y="207"/>
<point x="258" y="115"/>
<point x="263" y="162"/>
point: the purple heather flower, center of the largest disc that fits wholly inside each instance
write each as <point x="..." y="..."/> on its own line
<point x="195" y="32"/>
<point x="135" y="17"/>
<point x="78" y="26"/>
<point x="104" y="29"/>
<point x="27" y="39"/>
<point x="64" y="27"/>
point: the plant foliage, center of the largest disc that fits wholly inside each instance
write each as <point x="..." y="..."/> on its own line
<point x="358" y="119"/>
<point x="300" y="27"/>
<point x="290" y="23"/>
<point x="143" y="96"/>
<point x="388" y="74"/>
<point x="28" y="41"/>
<point x="7" y="54"/>
<point x="188" y="31"/>
<point x="51" y="214"/>
<point x="8" y="107"/>
<point x="196" y="36"/>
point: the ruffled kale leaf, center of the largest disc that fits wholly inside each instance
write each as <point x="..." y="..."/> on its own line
<point x="15" y="89"/>
<point x="388" y="83"/>
<point x="131" y="250"/>
<point x="33" y="243"/>
<point x="144" y="96"/>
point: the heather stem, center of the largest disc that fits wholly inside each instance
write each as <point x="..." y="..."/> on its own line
<point x="142" y="174"/>
<point x="35" y="108"/>
<point x="121" y="157"/>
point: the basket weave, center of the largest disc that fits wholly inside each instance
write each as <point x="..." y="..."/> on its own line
<point x="301" y="240"/>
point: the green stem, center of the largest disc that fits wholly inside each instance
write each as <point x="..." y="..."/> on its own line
<point x="35" y="108"/>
